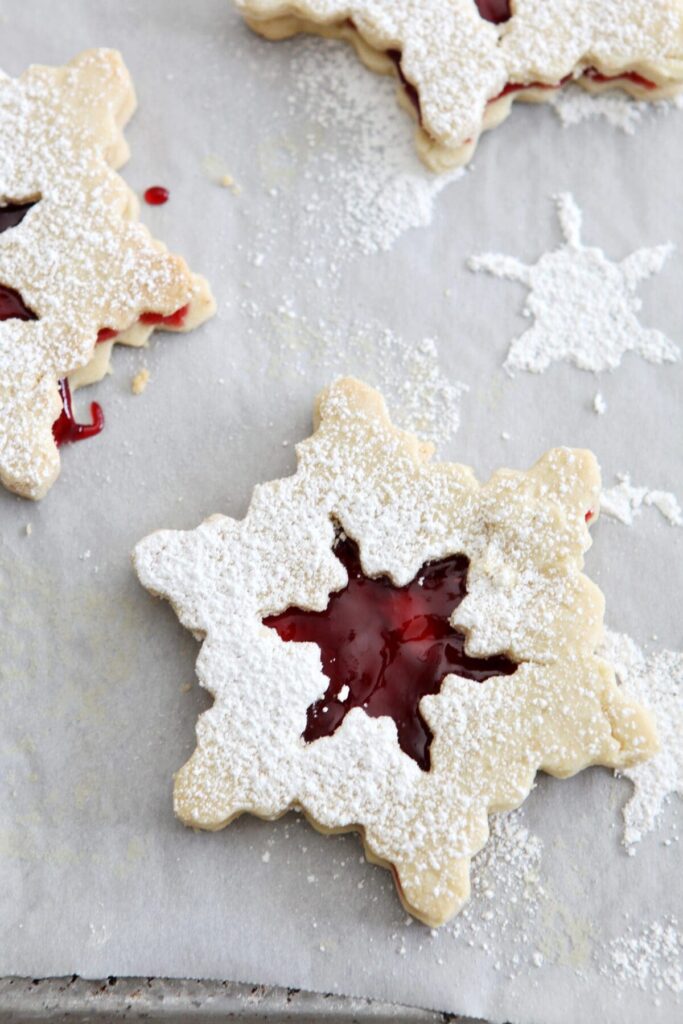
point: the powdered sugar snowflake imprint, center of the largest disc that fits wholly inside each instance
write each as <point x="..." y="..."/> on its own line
<point x="584" y="305"/>
<point x="625" y="502"/>
<point x="656" y="680"/>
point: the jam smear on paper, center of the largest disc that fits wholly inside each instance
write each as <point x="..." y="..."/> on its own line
<point x="385" y="647"/>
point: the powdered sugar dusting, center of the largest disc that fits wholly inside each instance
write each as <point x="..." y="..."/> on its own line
<point x="458" y="61"/>
<point x="574" y="105"/>
<point x="420" y="395"/>
<point x="560" y="711"/>
<point x="655" y="680"/>
<point x="507" y="893"/>
<point x="364" y="201"/>
<point x="583" y="304"/>
<point x="625" y="502"/>
<point x="649" y="957"/>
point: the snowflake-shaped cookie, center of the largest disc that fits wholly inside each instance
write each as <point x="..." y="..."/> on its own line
<point x="584" y="305"/>
<point x="461" y="63"/>
<point x="75" y="265"/>
<point x="513" y="548"/>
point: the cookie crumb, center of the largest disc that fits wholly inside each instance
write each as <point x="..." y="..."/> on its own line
<point x="29" y="529"/>
<point x="186" y="687"/>
<point x="140" y="381"/>
<point x="227" y="181"/>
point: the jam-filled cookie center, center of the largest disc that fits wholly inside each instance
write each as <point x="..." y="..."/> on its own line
<point x="385" y="647"/>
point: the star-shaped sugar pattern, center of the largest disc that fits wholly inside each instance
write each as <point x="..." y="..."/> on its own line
<point x="583" y="304"/>
<point x="79" y="258"/>
<point x="458" y="61"/>
<point x="656" y="680"/>
<point x="524" y="534"/>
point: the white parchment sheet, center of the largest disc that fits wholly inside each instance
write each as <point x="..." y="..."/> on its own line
<point x="97" y="700"/>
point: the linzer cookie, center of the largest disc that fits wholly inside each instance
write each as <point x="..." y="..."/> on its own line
<point x="462" y="63"/>
<point x="394" y="647"/>
<point x="78" y="272"/>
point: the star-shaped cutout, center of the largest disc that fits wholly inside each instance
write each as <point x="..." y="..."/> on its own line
<point x="384" y="648"/>
<point x="584" y="305"/>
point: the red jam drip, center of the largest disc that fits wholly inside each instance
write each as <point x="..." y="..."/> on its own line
<point x="13" y="214"/>
<point x="12" y="306"/>
<point x="497" y="11"/>
<point x="65" y="429"/>
<point x="157" y="195"/>
<point x="389" y="645"/>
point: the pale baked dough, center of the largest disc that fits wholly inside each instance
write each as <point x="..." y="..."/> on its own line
<point x="80" y="258"/>
<point x="459" y="63"/>
<point x="524" y="533"/>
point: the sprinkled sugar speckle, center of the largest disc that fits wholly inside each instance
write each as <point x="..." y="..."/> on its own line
<point x="420" y="395"/>
<point x="584" y="306"/>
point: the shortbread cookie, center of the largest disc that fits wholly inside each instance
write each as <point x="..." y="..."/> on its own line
<point x="394" y="647"/>
<point x="78" y="272"/>
<point x="462" y="63"/>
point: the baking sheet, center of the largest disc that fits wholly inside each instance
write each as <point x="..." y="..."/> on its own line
<point x="96" y="710"/>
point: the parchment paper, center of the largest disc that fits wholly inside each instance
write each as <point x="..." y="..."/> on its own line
<point x="97" y="877"/>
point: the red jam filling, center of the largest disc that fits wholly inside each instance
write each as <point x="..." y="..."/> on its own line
<point x="157" y="195"/>
<point x="65" y="429"/>
<point x="12" y="306"/>
<point x="497" y="11"/>
<point x="630" y="76"/>
<point x="176" y="319"/>
<point x="385" y="647"/>
<point x="13" y="214"/>
<point x="592" y="73"/>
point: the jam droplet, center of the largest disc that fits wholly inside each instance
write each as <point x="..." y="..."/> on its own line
<point x="65" y="429"/>
<point x="385" y="647"/>
<point x="157" y="195"/>
<point x="12" y="306"/>
<point x="497" y="11"/>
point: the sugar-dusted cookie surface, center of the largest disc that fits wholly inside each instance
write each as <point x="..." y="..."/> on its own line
<point x="462" y="63"/>
<point x="369" y="526"/>
<point x="75" y="264"/>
